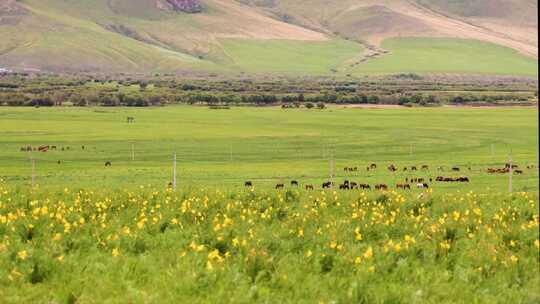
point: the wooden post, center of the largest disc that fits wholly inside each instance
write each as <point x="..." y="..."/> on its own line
<point x="174" y="172"/>
<point x="510" y="173"/>
<point x="33" y="172"/>
<point x="332" y="168"/>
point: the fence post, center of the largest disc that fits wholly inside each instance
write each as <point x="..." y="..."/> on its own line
<point x="174" y="172"/>
<point x="510" y="173"/>
<point x="33" y="172"/>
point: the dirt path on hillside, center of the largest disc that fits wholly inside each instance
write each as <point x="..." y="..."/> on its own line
<point x="457" y="28"/>
<point x="518" y="38"/>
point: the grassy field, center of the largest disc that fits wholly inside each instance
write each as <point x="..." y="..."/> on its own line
<point x="294" y="57"/>
<point x="430" y="55"/>
<point x="265" y="145"/>
<point x="91" y="234"/>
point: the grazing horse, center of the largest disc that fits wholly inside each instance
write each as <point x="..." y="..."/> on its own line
<point x="425" y="167"/>
<point x="108" y="164"/>
<point x="381" y="187"/>
<point x="309" y="187"/>
<point x="373" y="166"/>
<point x="294" y="183"/>
<point x="280" y="186"/>
<point x="392" y="168"/>
<point x="327" y="185"/>
<point x="248" y="184"/>
<point x="365" y="187"/>
<point x="43" y="148"/>
<point x="455" y="169"/>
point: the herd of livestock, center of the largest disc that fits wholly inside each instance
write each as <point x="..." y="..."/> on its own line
<point x="408" y="184"/>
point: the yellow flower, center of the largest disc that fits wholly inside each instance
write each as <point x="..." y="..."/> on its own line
<point x="369" y="253"/>
<point x="514" y="259"/>
<point x="537" y="243"/>
<point x="60" y="258"/>
<point x="22" y="254"/>
<point x="115" y="252"/>
<point x="358" y="260"/>
<point x="308" y="253"/>
<point x="371" y="269"/>
<point x="445" y="244"/>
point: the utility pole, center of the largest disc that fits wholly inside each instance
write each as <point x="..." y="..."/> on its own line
<point x="174" y="172"/>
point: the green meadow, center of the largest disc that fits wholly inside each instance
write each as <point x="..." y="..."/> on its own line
<point x="292" y="57"/>
<point x="455" y="56"/>
<point x="224" y="148"/>
<point x="94" y="234"/>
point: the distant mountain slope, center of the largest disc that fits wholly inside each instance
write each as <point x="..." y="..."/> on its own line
<point x="229" y="35"/>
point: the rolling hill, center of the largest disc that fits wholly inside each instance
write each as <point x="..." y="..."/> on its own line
<point x="308" y="37"/>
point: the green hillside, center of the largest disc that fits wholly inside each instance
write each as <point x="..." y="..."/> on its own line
<point x="437" y="55"/>
<point x="252" y="36"/>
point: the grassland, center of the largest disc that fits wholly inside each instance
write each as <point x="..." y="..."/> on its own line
<point x="93" y="234"/>
<point x="425" y="56"/>
<point x="266" y="145"/>
<point x="152" y="245"/>
<point x="290" y="57"/>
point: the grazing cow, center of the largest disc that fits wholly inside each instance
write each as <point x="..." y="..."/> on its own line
<point x="425" y="167"/>
<point x="404" y="168"/>
<point x="309" y="187"/>
<point x="507" y="165"/>
<point x="108" y="164"/>
<point x="248" y="184"/>
<point x="353" y="185"/>
<point x="413" y="168"/>
<point x="403" y="186"/>
<point x="365" y="187"/>
<point x="392" y="168"/>
<point x="294" y="183"/>
<point x="455" y="169"/>
<point x="373" y="166"/>
<point x="518" y="171"/>
<point x="53" y="147"/>
<point x="327" y="185"/>
<point x="280" y="186"/>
